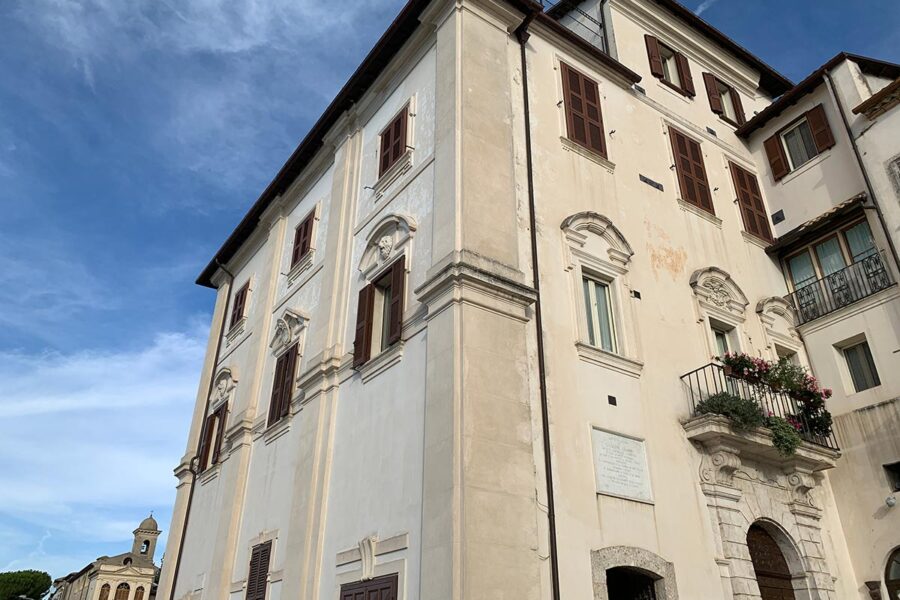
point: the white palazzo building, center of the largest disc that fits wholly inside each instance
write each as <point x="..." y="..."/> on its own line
<point x="460" y="340"/>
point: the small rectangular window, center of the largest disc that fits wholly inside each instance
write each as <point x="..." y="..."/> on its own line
<point x="238" y="304"/>
<point x="303" y="238"/>
<point x="393" y="142"/>
<point x="861" y="366"/>
<point x="379" y="314"/>
<point x="601" y="329"/>
<point x="798" y="140"/>
<point x="893" y="475"/>
<point x="670" y="66"/>
<point x="584" y="119"/>
<point x="258" y="575"/>
<point x="283" y="385"/>
<point x="690" y="170"/>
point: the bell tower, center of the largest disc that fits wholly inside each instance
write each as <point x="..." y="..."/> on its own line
<point x="145" y="538"/>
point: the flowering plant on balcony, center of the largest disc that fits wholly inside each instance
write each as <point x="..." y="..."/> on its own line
<point x="744" y="366"/>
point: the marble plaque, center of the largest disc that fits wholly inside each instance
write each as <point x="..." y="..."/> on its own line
<point x="620" y="466"/>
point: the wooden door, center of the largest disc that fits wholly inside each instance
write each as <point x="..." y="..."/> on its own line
<point x="772" y="572"/>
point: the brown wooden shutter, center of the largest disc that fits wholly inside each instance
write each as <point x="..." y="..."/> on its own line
<point x="712" y="90"/>
<point x="818" y="125"/>
<point x="380" y="588"/>
<point x="393" y="141"/>
<point x="259" y="571"/>
<point x="398" y="292"/>
<point x="738" y="107"/>
<point x="684" y="74"/>
<point x="656" y="64"/>
<point x="287" y="381"/>
<point x="584" y="119"/>
<point x="753" y="210"/>
<point x="691" y="170"/>
<point x="778" y="161"/>
<point x="362" y="344"/>
<point x="277" y="388"/>
<point x="219" y="415"/>
<point x="205" y="435"/>
<point x="238" y="303"/>
<point x="303" y="238"/>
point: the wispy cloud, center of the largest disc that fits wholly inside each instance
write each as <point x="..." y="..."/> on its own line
<point x="704" y="6"/>
<point x="89" y="440"/>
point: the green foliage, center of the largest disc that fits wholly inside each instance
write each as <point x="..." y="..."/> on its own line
<point x="744" y="414"/>
<point x="785" y="436"/>
<point x="785" y="375"/>
<point x="31" y="584"/>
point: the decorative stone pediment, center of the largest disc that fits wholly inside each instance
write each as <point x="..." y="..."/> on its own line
<point x="778" y="318"/>
<point x="715" y="290"/>
<point x="289" y="328"/>
<point x="391" y="237"/>
<point x="223" y="387"/>
<point x="592" y="234"/>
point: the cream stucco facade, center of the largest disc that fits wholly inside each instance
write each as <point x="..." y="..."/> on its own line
<point x="494" y="440"/>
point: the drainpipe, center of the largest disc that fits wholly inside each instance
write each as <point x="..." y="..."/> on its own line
<point x="522" y="35"/>
<point x="192" y="466"/>
<point x="862" y="168"/>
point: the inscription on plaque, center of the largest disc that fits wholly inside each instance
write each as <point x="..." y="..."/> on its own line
<point x="620" y="466"/>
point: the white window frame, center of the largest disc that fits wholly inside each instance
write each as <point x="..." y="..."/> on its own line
<point x="594" y="331"/>
<point x="787" y="152"/>
<point x="669" y="64"/>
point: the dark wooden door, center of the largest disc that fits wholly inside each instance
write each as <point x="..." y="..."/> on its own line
<point x="772" y="572"/>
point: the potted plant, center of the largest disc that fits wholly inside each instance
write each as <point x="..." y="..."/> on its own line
<point x="744" y="366"/>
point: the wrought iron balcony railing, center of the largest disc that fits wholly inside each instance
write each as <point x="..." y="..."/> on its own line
<point x="712" y="379"/>
<point x="841" y="288"/>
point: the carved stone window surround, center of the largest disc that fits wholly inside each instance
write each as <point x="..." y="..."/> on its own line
<point x="717" y="297"/>
<point x="374" y="558"/>
<point x="593" y="247"/>
<point x="638" y="558"/>
<point x="391" y="237"/>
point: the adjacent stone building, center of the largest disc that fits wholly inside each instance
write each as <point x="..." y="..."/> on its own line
<point x="461" y="340"/>
<point x="127" y="576"/>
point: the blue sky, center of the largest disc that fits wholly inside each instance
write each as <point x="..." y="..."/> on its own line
<point x="133" y="136"/>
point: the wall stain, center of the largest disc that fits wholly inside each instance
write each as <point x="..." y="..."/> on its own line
<point x="664" y="258"/>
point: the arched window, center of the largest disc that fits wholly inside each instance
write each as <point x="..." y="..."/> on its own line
<point x="892" y="575"/>
<point x="104" y="592"/>
<point x="139" y="593"/>
<point x="630" y="584"/>
<point x="145" y="546"/>
<point x="122" y="591"/>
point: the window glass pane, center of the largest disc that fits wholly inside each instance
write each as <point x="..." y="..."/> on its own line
<point x="385" y="317"/>
<point x="721" y="342"/>
<point x="894" y="568"/>
<point x="802" y="271"/>
<point x="727" y="102"/>
<point x="670" y="68"/>
<point x="599" y="320"/>
<point x="859" y="240"/>
<point x="589" y="311"/>
<point x="800" y="145"/>
<point x="603" y="316"/>
<point x="861" y="366"/>
<point x="830" y="257"/>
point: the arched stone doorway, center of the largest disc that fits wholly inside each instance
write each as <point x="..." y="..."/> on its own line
<point x="626" y="583"/>
<point x="773" y="575"/>
<point x="892" y="575"/>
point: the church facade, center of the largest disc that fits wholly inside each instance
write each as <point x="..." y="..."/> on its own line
<point x="128" y="576"/>
<point x="507" y="324"/>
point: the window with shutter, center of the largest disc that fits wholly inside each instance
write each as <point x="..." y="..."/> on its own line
<point x="379" y="316"/>
<point x="799" y="142"/>
<point x="669" y="66"/>
<point x="206" y="439"/>
<point x="238" y="304"/>
<point x="379" y="588"/>
<point x="259" y="571"/>
<point x="283" y="385"/>
<point x="584" y="120"/>
<point x="724" y="100"/>
<point x="753" y="210"/>
<point x="303" y="238"/>
<point x="393" y="142"/>
<point x="690" y="170"/>
<point x="219" y="415"/>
